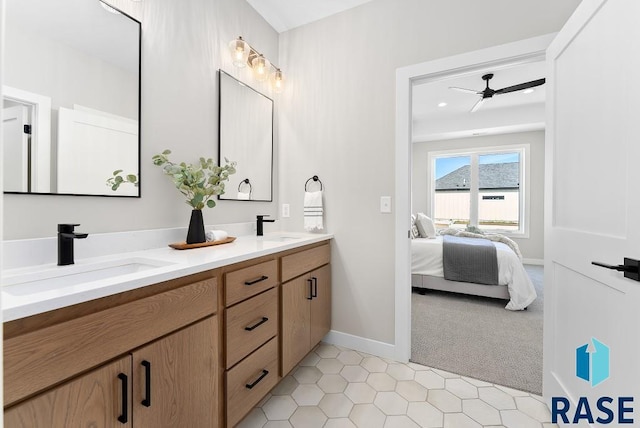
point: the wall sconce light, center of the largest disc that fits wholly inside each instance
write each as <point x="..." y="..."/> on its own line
<point x="243" y="54"/>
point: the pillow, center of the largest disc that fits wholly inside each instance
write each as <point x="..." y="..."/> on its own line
<point x="425" y="226"/>
<point x="414" y="229"/>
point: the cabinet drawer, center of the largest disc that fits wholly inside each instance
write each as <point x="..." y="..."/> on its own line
<point x="260" y="371"/>
<point x="244" y="283"/>
<point x="250" y="324"/>
<point x="39" y="359"/>
<point x="299" y="263"/>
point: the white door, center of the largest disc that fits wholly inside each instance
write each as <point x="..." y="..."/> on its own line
<point x="593" y="207"/>
<point x="16" y="149"/>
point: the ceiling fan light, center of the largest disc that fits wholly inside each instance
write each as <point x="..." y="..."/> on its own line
<point x="239" y="50"/>
<point x="260" y="67"/>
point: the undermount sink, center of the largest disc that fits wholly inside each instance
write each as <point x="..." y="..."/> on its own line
<point x="56" y="277"/>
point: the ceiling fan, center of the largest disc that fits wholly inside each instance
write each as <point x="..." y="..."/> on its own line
<point x="489" y="93"/>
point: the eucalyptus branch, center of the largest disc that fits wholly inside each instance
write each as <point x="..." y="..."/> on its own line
<point x="118" y="179"/>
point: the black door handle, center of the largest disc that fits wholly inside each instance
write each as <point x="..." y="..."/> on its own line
<point x="631" y="268"/>
<point x="257" y="280"/>
<point x="315" y="286"/>
<point x="256" y="325"/>
<point x="124" y="417"/>
<point x="310" y="281"/>
<point x="147" y="383"/>
<point x="257" y="381"/>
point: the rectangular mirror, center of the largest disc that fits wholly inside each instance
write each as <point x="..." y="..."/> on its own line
<point x="71" y="98"/>
<point x="246" y="136"/>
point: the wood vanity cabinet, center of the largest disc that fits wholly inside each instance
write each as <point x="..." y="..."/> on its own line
<point x="149" y="362"/>
<point x="306" y="303"/>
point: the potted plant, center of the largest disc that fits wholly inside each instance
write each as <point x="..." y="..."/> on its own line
<point x="199" y="183"/>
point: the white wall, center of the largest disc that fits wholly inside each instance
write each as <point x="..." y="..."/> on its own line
<point x="183" y="45"/>
<point x="338" y="123"/>
<point x="532" y="247"/>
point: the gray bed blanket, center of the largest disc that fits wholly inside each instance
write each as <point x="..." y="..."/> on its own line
<point x="469" y="260"/>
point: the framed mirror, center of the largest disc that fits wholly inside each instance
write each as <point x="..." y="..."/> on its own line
<point x="71" y="99"/>
<point x="246" y="136"/>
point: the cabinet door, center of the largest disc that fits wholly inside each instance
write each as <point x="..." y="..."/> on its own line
<point x="321" y="304"/>
<point x="296" y="295"/>
<point x="93" y="400"/>
<point x="175" y="379"/>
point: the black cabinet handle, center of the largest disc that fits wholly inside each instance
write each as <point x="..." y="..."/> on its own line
<point x="257" y="381"/>
<point x="257" y="280"/>
<point x="631" y="268"/>
<point x="124" y="417"/>
<point x="258" y="324"/>
<point x="310" y="281"/>
<point x="147" y="383"/>
<point x="315" y="286"/>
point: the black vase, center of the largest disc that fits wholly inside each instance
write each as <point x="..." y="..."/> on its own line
<point x="195" y="235"/>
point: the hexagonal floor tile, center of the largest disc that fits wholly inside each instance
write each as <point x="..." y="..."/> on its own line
<point x="350" y="357"/>
<point x="310" y="360"/>
<point x="444" y="400"/>
<point x="425" y="415"/>
<point x="533" y="408"/>
<point x="331" y="383"/>
<point x="517" y="419"/>
<point x="360" y="393"/>
<point x="461" y="388"/>
<point x="286" y="386"/>
<point x="279" y="407"/>
<point x="308" y="417"/>
<point x="277" y="424"/>
<point x="400" y="372"/>
<point x="339" y="423"/>
<point x="307" y="394"/>
<point x="374" y="365"/>
<point x="496" y="398"/>
<point x="336" y="405"/>
<point x="367" y="415"/>
<point x="411" y="390"/>
<point x="307" y="374"/>
<point x="459" y="420"/>
<point x="381" y="382"/>
<point x="391" y="403"/>
<point x="400" y="422"/>
<point x="330" y="365"/>
<point x="430" y="379"/>
<point x="255" y="418"/>
<point x="481" y="412"/>
<point x="327" y="351"/>
<point x="354" y="373"/>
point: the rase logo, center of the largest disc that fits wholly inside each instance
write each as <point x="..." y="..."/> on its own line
<point x="592" y="366"/>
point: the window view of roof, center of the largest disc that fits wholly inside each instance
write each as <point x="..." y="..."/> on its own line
<point x="492" y="176"/>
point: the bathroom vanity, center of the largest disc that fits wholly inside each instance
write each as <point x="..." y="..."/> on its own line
<point x="196" y="343"/>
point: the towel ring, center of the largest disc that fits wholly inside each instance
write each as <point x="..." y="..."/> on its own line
<point x="314" y="178"/>
<point x="245" y="181"/>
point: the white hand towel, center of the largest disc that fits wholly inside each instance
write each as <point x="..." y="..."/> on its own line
<point x="244" y="196"/>
<point x="216" y="235"/>
<point x="313" y="211"/>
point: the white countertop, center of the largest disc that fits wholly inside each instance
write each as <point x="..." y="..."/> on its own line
<point x="23" y="300"/>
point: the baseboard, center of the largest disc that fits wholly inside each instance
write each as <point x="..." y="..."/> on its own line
<point x="538" y="262"/>
<point x="357" y="343"/>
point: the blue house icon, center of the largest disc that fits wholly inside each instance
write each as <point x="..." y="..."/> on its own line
<point x="593" y="366"/>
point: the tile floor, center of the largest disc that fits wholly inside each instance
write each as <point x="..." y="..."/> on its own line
<point x="337" y="387"/>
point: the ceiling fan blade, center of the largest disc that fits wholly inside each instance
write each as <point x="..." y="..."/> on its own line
<point x="477" y="105"/>
<point x="521" y="86"/>
<point x="468" y="91"/>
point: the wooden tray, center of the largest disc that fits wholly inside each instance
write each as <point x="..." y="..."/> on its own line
<point x="185" y="246"/>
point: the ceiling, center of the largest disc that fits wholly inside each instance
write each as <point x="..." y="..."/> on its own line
<point x="511" y="112"/>
<point x="284" y="15"/>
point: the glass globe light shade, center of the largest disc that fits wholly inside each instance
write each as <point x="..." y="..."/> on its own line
<point x="239" y="50"/>
<point x="277" y="79"/>
<point x="260" y="67"/>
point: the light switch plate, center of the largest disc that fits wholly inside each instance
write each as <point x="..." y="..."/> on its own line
<point x="285" y="210"/>
<point x="385" y="204"/>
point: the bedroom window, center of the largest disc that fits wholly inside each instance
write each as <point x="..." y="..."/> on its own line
<point x="483" y="188"/>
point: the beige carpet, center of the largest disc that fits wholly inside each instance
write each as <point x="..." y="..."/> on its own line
<point x="477" y="337"/>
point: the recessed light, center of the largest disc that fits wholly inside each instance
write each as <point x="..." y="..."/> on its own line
<point x="528" y="91"/>
<point x="442" y="104"/>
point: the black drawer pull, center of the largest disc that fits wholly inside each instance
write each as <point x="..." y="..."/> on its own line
<point x="257" y="381"/>
<point x="124" y="417"/>
<point x="257" y="280"/>
<point x="315" y="286"/>
<point x="147" y="383"/>
<point x="310" y="297"/>
<point x="258" y="324"/>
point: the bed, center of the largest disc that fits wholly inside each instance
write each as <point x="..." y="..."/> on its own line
<point x="514" y="284"/>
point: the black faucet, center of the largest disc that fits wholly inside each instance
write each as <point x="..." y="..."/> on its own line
<point x="261" y="221"/>
<point x="66" y="235"/>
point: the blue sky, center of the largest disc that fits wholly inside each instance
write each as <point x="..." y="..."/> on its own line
<point x="446" y="165"/>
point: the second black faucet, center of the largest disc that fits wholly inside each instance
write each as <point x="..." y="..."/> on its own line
<point x="260" y="223"/>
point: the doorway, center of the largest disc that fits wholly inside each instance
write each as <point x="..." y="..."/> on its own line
<point x="496" y="58"/>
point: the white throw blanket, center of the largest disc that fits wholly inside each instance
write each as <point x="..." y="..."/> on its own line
<point x="313" y="211"/>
